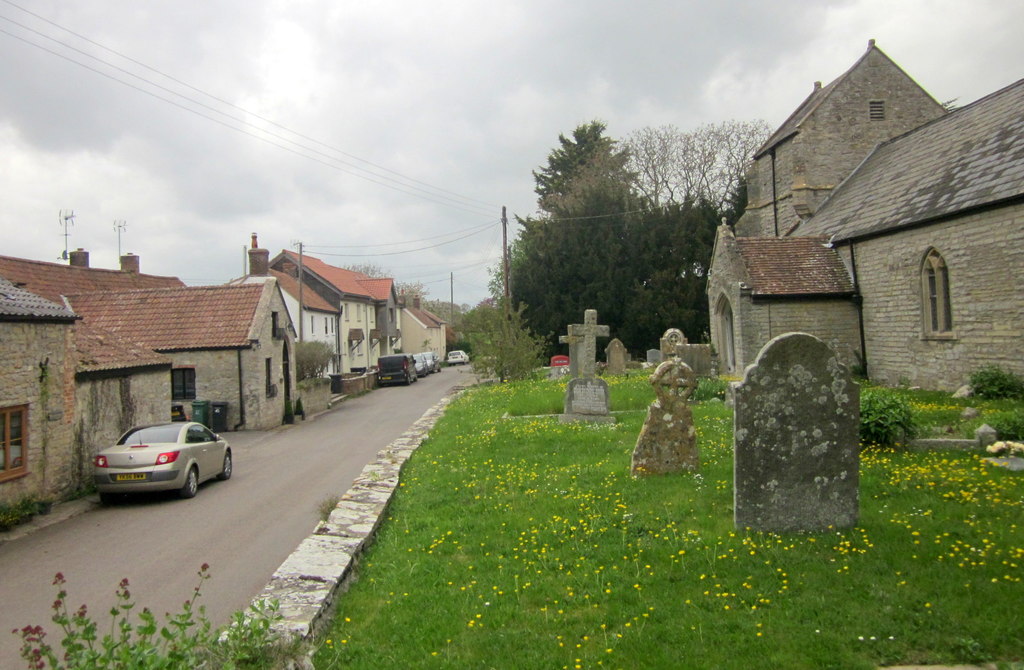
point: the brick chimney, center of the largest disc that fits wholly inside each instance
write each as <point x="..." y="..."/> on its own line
<point x="259" y="259"/>
<point x="130" y="263"/>
<point x="79" y="258"/>
<point x="415" y="302"/>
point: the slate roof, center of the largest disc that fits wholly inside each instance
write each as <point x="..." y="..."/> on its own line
<point x="310" y="298"/>
<point x="791" y="266"/>
<point x="52" y="280"/>
<point x="20" y="304"/>
<point x="100" y="350"/>
<point x="175" y="319"/>
<point x="970" y="158"/>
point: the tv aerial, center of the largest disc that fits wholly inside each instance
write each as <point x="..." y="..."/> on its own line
<point x="65" y="219"/>
<point x="119" y="225"/>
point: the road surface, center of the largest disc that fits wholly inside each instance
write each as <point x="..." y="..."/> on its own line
<point x="243" y="528"/>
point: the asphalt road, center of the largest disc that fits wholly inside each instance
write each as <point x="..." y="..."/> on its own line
<point x="243" y="528"/>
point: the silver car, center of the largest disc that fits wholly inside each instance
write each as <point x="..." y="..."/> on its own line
<point x="164" y="457"/>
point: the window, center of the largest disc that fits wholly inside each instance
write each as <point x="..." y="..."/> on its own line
<point x="326" y="320"/>
<point x="13" y="441"/>
<point x="938" y="313"/>
<point x="876" y="110"/>
<point x="275" y="331"/>
<point x="312" y="323"/>
<point x="269" y="378"/>
<point x="183" y="384"/>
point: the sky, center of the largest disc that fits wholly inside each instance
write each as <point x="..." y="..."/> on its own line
<point x="391" y="133"/>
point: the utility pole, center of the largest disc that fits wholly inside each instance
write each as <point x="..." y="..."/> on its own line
<point x="504" y="256"/>
<point x="119" y="226"/>
<point x="302" y="318"/>
<point x="451" y="303"/>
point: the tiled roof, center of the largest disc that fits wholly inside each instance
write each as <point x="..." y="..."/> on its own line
<point x="99" y="350"/>
<point x="378" y="288"/>
<point x="191" y="317"/>
<point x="52" y="280"/>
<point x="791" y="266"/>
<point x="310" y="298"/>
<point x="20" y="304"/>
<point x="346" y="281"/>
<point x="426" y="317"/>
<point x="969" y="158"/>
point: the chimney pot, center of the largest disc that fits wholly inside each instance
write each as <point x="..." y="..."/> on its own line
<point x="79" y="258"/>
<point x="130" y="263"/>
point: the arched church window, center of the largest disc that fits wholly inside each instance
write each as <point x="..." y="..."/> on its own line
<point x="938" y="313"/>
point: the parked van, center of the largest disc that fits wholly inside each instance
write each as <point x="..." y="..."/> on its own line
<point x="396" y="369"/>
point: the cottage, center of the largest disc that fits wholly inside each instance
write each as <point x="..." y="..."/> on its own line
<point x="424" y="330"/>
<point x="885" y="226"/>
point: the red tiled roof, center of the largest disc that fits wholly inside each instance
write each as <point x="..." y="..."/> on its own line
<point x="101" y="350"/>
<point x="52" y="280"/>
<point x="191" y="317"/>
<point x="346" y="281"/>
<point x="426" y="317"/>
<point x="379" y="288"/>
<point x="794" y="266"/>
<point x="310" y="298"/>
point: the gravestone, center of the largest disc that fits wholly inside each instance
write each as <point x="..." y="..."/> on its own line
<point x="670" y="343"/>
<point x="668" y="440"/>
<point x="586" y="397"/>
<point x="573" y="341"/>
<point x="796" y="446"/>
<point x="698" y="357"/>
<point x="654" y="356"/>
<point x="615" y="356"/>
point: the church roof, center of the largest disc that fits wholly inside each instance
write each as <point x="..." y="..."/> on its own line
<point x="794" y="266"/>
<point x="968" y="159"/>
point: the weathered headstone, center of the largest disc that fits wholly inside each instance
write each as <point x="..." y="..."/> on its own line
<point x="670" y="343"/>
<point x="615" y="357"/>
<point x="797" y="452"/>
<point x="668" y="440"/>
<point x="586" y="397"/>
<point x="573" y="341"/>
<point x="697" y="356"/>
<point x="654" y="356"/>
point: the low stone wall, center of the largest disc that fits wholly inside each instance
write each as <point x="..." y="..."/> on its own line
<point x="309" y="580"/>
<point x="360" y="384"/>
<point x="315" y="394"/>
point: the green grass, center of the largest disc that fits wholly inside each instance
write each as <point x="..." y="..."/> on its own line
<point x="525" y="543"/>
<point x="937" y="414"/>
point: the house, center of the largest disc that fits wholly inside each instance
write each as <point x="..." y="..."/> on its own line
<point x="227" y="344"/>
<point x="423" y="330"/>
<point x="367" y="327"/>
<point x="884" y="225"/>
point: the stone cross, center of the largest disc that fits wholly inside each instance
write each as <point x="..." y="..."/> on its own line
<point x="668" y="439"/>
<point x="574" y="349"/>
<point x="585" y="338"/>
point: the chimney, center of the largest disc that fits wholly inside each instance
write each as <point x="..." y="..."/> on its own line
<point x="130" y="263"/>
<point x="79" y="258"/>
<point x="259" y="260"/>
<point x="415" y="302"/>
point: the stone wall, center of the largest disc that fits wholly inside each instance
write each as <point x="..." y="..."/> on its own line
<point x="835" y="322"/>
<point x="832" y="142"/>
<point x="106" y="406"/>
<point x="982" y="253"/>
<point x="315" y="394"/>
<point x="38" y="371"/>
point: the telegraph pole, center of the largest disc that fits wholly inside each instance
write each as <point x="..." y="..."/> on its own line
<point x="451" y="303"/>
<point x="504" y="256"/>
<point x="302" y="318"/>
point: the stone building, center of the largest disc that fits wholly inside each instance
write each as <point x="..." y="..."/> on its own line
<point x="899" y="253"/>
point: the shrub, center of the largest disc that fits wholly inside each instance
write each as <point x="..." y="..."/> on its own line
<point x="992" y="381"/>
<point x="312" y="359"/>
<point x="12" y="514"/>
<point x="1009" y="425"/>
<point x="885" y="417"/>
<point x="710" y="387"/>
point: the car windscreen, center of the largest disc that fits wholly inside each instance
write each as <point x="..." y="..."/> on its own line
<point x="152" y="434"/>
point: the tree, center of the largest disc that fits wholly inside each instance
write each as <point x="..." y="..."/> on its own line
<point x="312" y="359"/>
<point x="503" y="347"/>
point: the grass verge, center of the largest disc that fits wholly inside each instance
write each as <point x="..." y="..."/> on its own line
<point x="525" y="543"/>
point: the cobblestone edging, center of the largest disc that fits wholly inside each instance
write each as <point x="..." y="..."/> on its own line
<point x="310" y="579"/>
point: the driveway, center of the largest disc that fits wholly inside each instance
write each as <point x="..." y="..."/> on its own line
<point x="243" y="528"/>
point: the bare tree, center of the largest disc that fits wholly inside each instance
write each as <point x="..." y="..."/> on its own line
<point x="672" y="166"/>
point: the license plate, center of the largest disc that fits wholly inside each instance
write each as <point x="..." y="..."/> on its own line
<point x="131" y="478"/>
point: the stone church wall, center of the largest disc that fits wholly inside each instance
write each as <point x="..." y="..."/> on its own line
<point x="982" y="253"/>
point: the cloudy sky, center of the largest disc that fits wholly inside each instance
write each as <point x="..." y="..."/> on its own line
<point x="392" y="132"/>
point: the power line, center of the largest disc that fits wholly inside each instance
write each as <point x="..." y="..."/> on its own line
<point x="395" y="244"/>
<point x="407" y="251"/>
<point x="406" y="188"/>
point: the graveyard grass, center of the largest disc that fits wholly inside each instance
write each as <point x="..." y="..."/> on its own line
<point x="520" y="542"/>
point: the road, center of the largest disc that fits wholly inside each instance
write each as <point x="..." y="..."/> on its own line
<point x="243" y="528"/>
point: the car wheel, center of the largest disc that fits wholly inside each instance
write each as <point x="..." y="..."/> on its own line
<point x="408" y="379"/>
<point x="225" y="472"/>
<point x="109" y="498"/>
<point x="191" y="484"/>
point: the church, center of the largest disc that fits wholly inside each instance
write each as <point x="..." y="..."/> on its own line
<point x="885" y="225"/>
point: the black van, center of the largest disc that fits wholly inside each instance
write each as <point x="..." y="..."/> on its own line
<point x="396" y="369"/>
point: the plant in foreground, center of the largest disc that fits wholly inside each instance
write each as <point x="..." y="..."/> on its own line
<point x="185" y="640"/>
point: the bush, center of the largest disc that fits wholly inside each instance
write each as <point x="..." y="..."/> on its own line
<point x="709" y="388"/>
<point x="1009" y="425"/>
<point x="992" y="381"/>
<point x="12" y="514"/>
<point x="885" y="418"/>
<point x="312" y="359"/>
